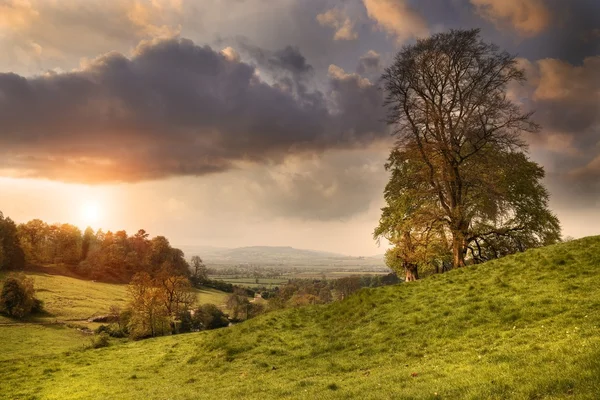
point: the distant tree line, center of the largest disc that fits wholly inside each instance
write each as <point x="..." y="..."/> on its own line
<point x="300" y="292"/>
<point x="99" y="255"/>
<point x="12" y="256"/>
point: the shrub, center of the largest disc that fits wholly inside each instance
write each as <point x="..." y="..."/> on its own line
<point x="100" y="340"/>
<point x="17" y="298"/>
<point x="185" y="322"/>
<point x="208" y="316"/>
<point x="112" y="330"/>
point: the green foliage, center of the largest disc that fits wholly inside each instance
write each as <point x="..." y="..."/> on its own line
<point x="199" y="271"/>
<point x="461" y="183"/>
<point x="156" y="302"/>
<point x="17" y="298"/>
<point x="239" y="305"/>
<point x="12" y="256"/>
<point x="112" y="330"/>
<point x="208" y="316"/>
<point x="100" y="340"/>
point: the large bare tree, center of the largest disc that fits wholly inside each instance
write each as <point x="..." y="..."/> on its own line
<point x="459" y="166"/>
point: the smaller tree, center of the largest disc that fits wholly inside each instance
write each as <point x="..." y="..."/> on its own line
<point x="208" y="316"/>
<point x="149" y="315"/>
<point x="12" y="255"/>
<point x="17" y="298"/>
<point x="199" y="271"/>
<point x="347" y="285"/>
<point x="238" y="304"/>
<point x="177" y="293"/>
<point x="87" y="242"/>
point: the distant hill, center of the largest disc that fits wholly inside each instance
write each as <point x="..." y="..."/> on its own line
<point x="526" y="326"/>
<point x="277" y="255"/>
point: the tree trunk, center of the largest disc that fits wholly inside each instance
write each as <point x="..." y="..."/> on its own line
<point x="458" y="250"/>
<point x="412" y="272"/>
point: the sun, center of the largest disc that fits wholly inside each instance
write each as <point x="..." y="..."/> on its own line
<point x="90" y="213"/>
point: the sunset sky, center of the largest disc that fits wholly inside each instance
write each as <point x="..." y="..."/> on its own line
<point x="259" y="122"/>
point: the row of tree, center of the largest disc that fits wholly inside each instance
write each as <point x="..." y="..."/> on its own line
<point x="11" y="253"/>
<point x="105" y="256"/>
<point x="300" y="292"/>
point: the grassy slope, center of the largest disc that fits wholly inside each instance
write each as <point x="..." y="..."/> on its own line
<point x="73" y="301"/>
<point x="526" y="326"/>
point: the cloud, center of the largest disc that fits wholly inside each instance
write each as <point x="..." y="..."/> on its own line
<point x="34" y="31"/>
<point x="231" y="54"/>
<point x="338" y="20"/>
<point x="287" y="62"/>
<point x="336" y="185"/>
<point x="358" y="102"/>
<point x="397" y="18"/>
<point x="174" y="108"/>
<point x="566" y="100"/>
<point x="590" y="172"/>
<point x="370" y="62"/>
<point x="527" y="17"/>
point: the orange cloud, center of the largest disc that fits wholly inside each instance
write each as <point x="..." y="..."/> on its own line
<point x="397" y="18"/>
<point x="338" y="20"/>
<point x="559" y="80"/>
<point x="16" y="14"/>
<point x="527" y="17"/>
<point x="35" y="30"/>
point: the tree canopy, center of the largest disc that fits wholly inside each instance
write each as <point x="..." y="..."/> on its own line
<point x="462" y="186"/>
<point x="11" y="253"/>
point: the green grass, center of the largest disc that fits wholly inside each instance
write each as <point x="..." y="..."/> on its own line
<point x="69" y="303"/>
<point x="70" y="299"/>
<point x="28" y="341"/>
<point x="523" y="327"/>
<point x="269" y="283"/>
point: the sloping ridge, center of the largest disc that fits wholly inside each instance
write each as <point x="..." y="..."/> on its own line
<point x="525" y="326"/>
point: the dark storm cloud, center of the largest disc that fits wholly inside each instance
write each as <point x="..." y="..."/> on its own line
<point x="288" y="59"/>
<point x="566" y="100"/>
<point x="174" y="108"/>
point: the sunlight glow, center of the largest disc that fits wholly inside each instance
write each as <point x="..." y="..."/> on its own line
<point x="90" y="213"/>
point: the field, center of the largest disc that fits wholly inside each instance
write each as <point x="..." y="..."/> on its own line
<point x="523" y="327"/>
<point x="69" y="303"/>
<point x="248" y="282"/>
<point x="271" y="283"/>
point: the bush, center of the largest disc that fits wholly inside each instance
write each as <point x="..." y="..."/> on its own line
<point x="112" y="330"/>
<point x="208" y="316"/>
<point x="17" y="298"/>
<point x="186" y="322"/>
<point x="100" y="340"/>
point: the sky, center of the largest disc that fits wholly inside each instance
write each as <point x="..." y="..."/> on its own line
<point x="260" y="122"/>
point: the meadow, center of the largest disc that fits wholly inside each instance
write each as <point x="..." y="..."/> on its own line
<point x="69" y="303"/>
<point x="523" y="327"/>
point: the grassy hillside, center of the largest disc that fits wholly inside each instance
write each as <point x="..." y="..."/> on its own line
<point x="69" y="303"/>
<point x="70" y="299"/>
<point x="524" y="327"/>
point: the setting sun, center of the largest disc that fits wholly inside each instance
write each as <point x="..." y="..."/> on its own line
<point x="90" y="213"/>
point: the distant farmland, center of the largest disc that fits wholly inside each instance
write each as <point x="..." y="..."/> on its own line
<point x="270" y="283"/>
